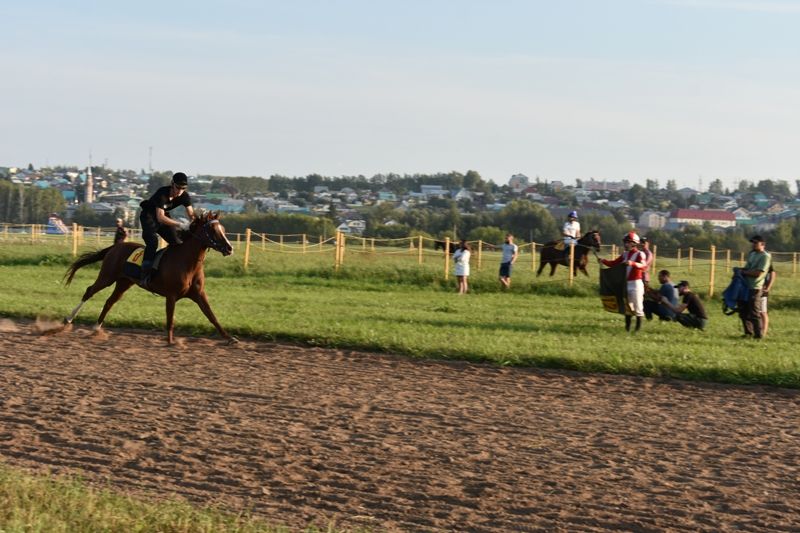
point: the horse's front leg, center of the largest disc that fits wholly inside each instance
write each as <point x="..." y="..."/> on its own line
<point x="200" y="298"/>
<point x="171" y="319"/>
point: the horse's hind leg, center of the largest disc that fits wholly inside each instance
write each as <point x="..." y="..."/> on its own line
<point x="542" y="264"/>
<point x="553" y="266"/>
<point x="123" y="285"/>
<point x="99" y="284"/>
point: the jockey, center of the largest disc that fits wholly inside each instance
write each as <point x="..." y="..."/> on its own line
<point x="156" y="221"/>
<point x="571" y="231"/>
<point x="636" y="262"/>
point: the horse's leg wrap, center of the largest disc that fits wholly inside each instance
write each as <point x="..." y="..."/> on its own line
<point x="74" y="313"/>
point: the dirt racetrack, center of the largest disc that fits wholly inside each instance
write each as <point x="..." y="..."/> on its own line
<point x="304" y="435"/>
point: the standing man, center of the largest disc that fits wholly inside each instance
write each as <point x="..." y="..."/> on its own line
<point x="634" y="259"/>
<point x="571" y="232"/>
<point x="510" y="254"/>
<point x="754" y="273"/>
<point x="764" y="297"/>
<point x="648" y="261"/>
<point x="121" y="233"/>
<point x="696" y="316"/>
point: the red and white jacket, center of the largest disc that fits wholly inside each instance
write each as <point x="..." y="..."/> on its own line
<point x="636" y="269"/>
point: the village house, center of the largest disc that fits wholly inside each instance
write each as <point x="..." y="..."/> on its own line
<point x="717" y="217"/>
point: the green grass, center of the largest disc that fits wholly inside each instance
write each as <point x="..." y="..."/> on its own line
<point x="37" y="503"/>
<point x="387" y="302"/>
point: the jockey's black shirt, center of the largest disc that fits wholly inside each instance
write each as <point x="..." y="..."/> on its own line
<point x="161" y="199"/>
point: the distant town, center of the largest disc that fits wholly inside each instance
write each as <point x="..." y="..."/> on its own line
<point x="438" y="205"/>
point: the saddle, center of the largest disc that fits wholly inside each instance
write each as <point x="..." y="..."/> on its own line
<point x="133" y="265"/>
<point x="560" y="246"/>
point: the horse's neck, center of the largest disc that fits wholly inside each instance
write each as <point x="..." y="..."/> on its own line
<point x="193" y="252"/>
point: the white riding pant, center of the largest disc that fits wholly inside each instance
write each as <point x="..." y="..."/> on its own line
<point x="636" y="297"/>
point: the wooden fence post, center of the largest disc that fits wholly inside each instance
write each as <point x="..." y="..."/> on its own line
<point x="691" y="258"/>
<point x="446" y="258"/>
<point x="741" y="258"/>
<point x="246" y="248"/>
<point x="336" y="250"/>
<point x="372" y="244"/>
<point x="419" y="250"/>
<point x="342" y="246"/>
<point x="480" y="253"/>
<point x="97" y="233"/>
<point x="728" y="259"/>
<point x="712" y="271"/>
<point x="533" y="256"/>
<point x="655" y="257"/>
<point x="281" y="243"/>
<point x="571" y="263"/>
<point x="305" y="243"/>
<point x="74" y="239"/>
<point x="679" y="257"/>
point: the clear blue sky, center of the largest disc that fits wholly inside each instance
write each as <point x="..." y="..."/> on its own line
<point x="564" y="89"/>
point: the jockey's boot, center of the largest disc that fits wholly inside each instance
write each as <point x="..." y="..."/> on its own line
<point x="147" y="272"/>
<point x="627" y="322"/>
<point x="638" y="323"/>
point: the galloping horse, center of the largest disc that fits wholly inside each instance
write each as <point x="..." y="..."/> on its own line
<point x="179" y="276"/>
<point x="550" y="255"/>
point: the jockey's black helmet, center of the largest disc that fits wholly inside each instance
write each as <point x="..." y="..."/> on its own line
<point x="180" y="179"/>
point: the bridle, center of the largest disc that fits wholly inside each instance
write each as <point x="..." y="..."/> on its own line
<point x="211" y="239"/>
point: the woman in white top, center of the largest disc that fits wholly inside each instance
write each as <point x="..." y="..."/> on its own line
<point x="461" y="261"/>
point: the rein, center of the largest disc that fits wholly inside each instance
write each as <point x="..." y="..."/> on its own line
<point x="213" y="242"/>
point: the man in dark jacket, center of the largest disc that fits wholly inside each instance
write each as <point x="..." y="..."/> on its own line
<point x="156" y="221"/>
<point x="695" y="316"/>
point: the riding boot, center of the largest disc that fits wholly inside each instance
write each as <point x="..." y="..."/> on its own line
<point x="147" y="272"/>
<point x="627" y="322"/>
<point x="638" y="323"/>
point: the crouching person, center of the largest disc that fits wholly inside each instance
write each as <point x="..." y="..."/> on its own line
<point x="695" y="315"/>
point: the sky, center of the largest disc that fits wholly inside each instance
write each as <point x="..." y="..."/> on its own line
<point x="690" y="90"/>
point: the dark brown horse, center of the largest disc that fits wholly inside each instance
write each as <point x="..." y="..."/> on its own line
<point x="180" y="274"/>
<point x="550" y="255"/>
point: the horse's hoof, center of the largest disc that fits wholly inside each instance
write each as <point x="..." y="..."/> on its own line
<point x="232" y="340"/>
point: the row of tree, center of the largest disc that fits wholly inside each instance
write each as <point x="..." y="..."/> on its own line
<point x="28" y="205"/>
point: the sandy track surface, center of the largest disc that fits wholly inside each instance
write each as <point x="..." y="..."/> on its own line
<point x="305" y="435"/>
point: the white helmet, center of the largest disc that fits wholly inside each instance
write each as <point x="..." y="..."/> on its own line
<point x="632" y="237"/>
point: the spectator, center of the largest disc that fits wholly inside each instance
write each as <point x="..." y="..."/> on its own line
<point x="653" y="305"/>
<point x="510" y="254"/>
<point x="649" y="261"/>
<point x="695" y="316"/>
<point x="634" y="259"/>
<point x="461" y="260"/>
<point x="121" y="233"/>
<point x="754" y="273"/>
<point x="768" y="282"/>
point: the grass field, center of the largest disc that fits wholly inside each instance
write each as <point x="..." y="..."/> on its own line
<point x="37" y="503"/>
<point x="387" y="302"/>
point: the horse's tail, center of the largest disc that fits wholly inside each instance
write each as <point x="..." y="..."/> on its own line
<point x="86" y="259"/>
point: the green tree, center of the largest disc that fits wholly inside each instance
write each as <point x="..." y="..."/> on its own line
<point x="487" y="234"/>
<point x="526" y="220"/>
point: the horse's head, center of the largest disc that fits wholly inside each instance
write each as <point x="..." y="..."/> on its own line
<point x="211" y="232"/>
<point x="593" y="240"/>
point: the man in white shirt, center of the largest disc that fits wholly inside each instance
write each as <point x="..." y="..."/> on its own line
<point x="510" y="254"/>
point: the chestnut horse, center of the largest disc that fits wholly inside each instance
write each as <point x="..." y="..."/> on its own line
<point x="550" y="255"/>
<point x="180" y="274"/>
